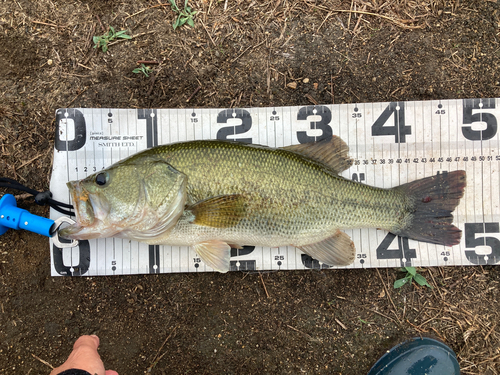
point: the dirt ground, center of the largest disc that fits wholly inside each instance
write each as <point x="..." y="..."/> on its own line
<point x="239" y="54"/>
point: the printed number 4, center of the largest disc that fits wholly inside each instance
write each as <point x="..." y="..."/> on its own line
<point x="402" y="252"/>
<point x="399" y="130"/>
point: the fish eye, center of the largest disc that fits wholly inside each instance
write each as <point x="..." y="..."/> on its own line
<point x="101" y="179"/>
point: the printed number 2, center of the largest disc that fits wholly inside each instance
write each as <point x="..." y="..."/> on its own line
<point x="471" y="229"/>
<point x="229" y="115"/>
<point x="399" y="130"/>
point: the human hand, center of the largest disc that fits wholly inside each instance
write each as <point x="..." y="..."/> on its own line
<point x="85" y="357"/>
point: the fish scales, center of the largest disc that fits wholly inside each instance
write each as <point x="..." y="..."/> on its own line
<point x="290" y="199"/>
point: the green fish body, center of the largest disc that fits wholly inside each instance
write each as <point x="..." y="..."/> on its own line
<point x="228" y="194"/>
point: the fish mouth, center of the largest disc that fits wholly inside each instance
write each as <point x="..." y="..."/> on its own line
<point x="87" y="225"/>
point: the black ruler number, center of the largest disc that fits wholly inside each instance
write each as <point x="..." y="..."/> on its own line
<point x="323" y="124"/>
<point x="468" y="118"/>
<point x="398" y="129"/>
<point x="83" y="259"/>
<point x="471" y="229"/>
<point x="64" y="116"/>
<point x="246" y="124"/>
<point x="402" y="252"/>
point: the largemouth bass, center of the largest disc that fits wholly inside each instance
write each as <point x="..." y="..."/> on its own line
<point x="214" y="195"/>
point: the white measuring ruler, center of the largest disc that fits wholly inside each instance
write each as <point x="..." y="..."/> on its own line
<point x="391" y="144"/>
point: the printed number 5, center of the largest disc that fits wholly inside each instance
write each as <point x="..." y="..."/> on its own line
<point x="471" y="229"/>
<point x="488" y="118"/>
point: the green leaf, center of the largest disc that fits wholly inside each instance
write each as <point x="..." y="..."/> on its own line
<point x="399" y="283"/>
<point x="182" y="21"/>
<point x="420" y="280"/>
<point x="122" y="34"/>
<point x="411" y="270"/>
<point x="174" y="6"/>
<point x="190" y="22"/>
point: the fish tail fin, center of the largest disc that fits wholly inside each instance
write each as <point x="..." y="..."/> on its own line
<point x="432" y="201"/>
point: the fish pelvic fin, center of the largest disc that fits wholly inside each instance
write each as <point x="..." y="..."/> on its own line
<point x="223" y="211"/>
<point x="337" y="250"/>
<point x="330" y="151"/>
<point x="215" y="254"/>
<point x="431" y="203"/>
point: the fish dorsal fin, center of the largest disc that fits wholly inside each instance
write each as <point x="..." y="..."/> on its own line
<point x="215" y="254"/>
<point x="337" y="250"/>
<point x="223" y="211"/>
<point x="330" y="151"/>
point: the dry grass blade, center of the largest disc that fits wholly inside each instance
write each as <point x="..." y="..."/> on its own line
<point x="400" y="23"/>
<point x="42" y="361"/>
<point x="394" y="311"/>
<point x="157" y="359"/>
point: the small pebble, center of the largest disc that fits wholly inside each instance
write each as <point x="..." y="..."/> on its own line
<point x="292" y="85"/>
<point x="306" y="80"/>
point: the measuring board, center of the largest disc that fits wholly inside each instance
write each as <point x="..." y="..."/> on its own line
<point x="390" y="143"/>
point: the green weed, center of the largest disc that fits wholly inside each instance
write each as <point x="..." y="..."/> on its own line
<point x="146" y="70"/>
<point x="184" y="16"/>
<point x="411" y="274"/>
<point x="102" y="41"/>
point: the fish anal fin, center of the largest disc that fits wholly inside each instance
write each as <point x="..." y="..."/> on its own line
<point x="215" y="254"/>
<point x="223" y="211"/>
<point x="337" y="250"/>
<point x="330" y="151"/>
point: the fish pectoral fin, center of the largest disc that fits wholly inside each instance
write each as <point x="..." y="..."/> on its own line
<point x="223" y="211"/>
<point x="330" y="151"/>
<point x="215" y="254"/>
<point x="337" y="250"/>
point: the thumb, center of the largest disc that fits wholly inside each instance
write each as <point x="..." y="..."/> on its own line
<point x="91" y="341"/>
<point x="84" y="356"/>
